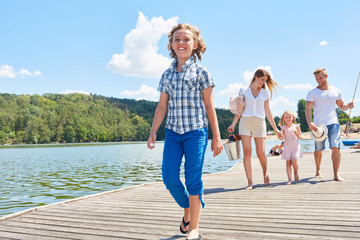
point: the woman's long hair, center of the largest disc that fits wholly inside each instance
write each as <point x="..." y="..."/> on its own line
<point x="269" y="82"/>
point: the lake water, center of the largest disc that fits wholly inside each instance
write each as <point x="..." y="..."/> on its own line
<point x="39" y="175"/>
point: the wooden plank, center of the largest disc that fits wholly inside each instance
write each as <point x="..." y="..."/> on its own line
<point x="310" y="209"/>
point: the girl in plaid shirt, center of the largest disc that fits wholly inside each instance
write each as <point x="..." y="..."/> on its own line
<point x="186" y="96"/>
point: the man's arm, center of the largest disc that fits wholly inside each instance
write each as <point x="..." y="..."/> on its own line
<point x="342" y="106"/>
<point x="309" y="106"/>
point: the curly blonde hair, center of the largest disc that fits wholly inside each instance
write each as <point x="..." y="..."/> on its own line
<point x="197" y="38"/>
<point x="269" y="82"/>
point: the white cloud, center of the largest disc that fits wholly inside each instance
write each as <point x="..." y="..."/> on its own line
<point x="7" y="71"/>
<point x="24" y="72"/>
<point x="226" y="107"/>
<point x="248" y="76"/>
<point x="37" y="73"/>
<point x="145" y="92"/>
<point x="280" y="104"/>
<point x="140" y="57"/>
<point x="300" y="87"/>
<point x="75" y="91"/>
<point x="323" y="43"/>
<point x="232" y="90"/>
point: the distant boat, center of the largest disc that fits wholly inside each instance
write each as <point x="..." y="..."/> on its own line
<point x="350" y="142"/>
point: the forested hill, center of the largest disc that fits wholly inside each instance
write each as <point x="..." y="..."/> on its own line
<point x="58" y="118"/>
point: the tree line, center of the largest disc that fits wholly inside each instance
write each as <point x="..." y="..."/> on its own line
<point x="58" y="118"/>
<point x="75" y="118"/>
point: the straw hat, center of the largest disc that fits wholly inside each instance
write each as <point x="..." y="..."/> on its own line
<point x="320" y="134"/>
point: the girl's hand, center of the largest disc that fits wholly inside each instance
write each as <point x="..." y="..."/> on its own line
<point x="279" y="134"/>
<point x="151" y="140"/>
<point x="216" y="146"/>
<point x="297" y="133"/>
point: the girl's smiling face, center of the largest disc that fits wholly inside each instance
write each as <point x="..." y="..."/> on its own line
<point x="288" y="119"/>
<point x="183" y="44"/>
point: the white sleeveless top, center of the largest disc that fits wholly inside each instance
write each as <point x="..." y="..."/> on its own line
<point x="254" y="107"/>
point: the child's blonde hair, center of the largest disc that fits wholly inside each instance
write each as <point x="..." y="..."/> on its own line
<point x="269" y="82"/>
<point x="282" y="117"/>
<point x="197" y="38"/>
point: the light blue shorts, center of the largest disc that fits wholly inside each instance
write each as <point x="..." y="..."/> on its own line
<point x="333" y="136"/>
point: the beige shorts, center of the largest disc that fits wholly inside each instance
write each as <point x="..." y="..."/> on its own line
<point x="252" y="126"/>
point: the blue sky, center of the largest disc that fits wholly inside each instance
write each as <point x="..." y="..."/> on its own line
<point x="119" y="48"/>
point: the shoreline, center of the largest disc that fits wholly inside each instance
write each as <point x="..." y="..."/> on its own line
<point x="40" y="145"/>
<point x="306" y="136"/>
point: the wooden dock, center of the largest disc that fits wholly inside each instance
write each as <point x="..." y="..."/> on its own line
<point x="310" y="209"/>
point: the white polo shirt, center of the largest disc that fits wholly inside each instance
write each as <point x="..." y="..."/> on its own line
<point x="254" y="107"/>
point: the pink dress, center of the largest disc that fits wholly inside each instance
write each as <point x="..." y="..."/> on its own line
<point x="292" y="147"/>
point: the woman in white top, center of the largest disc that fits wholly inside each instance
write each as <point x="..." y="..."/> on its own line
<point x="252" y="122"/>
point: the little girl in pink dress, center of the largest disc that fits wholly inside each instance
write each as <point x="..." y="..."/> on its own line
<point x="292" y="148"/>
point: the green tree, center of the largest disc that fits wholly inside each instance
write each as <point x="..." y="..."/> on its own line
<point x="277" y="120"/>
<point x="20" y="123"/>
<point x="342" y="116"/>
<point x="69" y="134"/>
<point x="268" y="125"/>
<point x="81" y="118"/>
<point x="3" y="137"/>
<point x="19" y="137"/>
<point x="356" y="119"/>
<point x="31" y="131"/>
<point x="301" y="115"/>
<point x="142" y="128"/>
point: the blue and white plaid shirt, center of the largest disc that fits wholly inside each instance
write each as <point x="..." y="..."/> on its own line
<point x="186" y="109"/>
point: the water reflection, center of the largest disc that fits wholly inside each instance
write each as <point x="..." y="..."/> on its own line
<point x="33" y="177"/>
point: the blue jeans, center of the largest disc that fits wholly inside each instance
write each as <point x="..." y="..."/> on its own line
<point x="333" y="136"/>
<point x="193" y="145"/>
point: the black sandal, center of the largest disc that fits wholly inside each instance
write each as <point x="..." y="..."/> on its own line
<point x="185" y="225"/>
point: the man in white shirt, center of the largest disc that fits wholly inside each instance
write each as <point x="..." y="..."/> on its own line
<point x="324" y="99"/>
